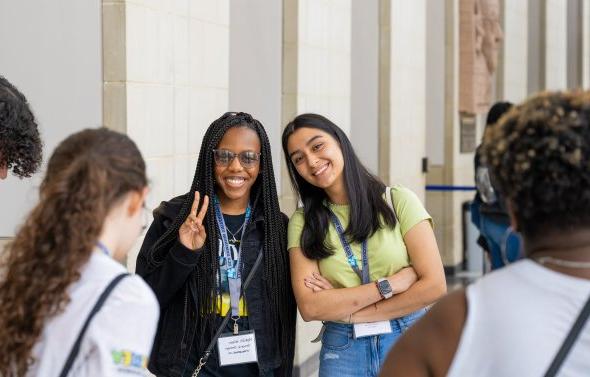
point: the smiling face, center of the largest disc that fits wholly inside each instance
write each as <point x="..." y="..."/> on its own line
<point x="234" y="181"/>
<point x="317" y="157"/>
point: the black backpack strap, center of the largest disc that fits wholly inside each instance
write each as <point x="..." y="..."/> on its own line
<point x="99" y="303"/>
<point x="569" y="341"/>
<point x="389" y="200"/>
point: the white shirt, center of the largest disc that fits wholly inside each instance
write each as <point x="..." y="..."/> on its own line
<point x="119" y="339"/>
<point x="517" y="319"/>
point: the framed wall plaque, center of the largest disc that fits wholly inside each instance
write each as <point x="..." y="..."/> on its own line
<point x="468" y="133"/>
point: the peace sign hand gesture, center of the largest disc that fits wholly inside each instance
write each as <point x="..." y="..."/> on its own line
<point x="192" y="233"/>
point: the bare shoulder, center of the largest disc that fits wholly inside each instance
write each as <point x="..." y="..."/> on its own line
<point x="428" y="347"/>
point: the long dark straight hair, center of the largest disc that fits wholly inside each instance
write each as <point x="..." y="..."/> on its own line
<point x="276" y="274"/>
<point x="364" y="191"/>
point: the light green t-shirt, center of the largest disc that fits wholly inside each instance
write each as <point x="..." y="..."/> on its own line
<point x="386" y="248"/>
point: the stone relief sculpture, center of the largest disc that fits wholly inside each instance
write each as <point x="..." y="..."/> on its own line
<point x="480" y="36"/>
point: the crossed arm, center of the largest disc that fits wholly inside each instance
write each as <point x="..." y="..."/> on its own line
<point x="414" y="287"/>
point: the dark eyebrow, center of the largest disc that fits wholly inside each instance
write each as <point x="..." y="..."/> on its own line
<point x="307" y="143"/>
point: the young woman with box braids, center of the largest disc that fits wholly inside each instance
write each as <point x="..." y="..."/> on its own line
<point x="183" y="257"/>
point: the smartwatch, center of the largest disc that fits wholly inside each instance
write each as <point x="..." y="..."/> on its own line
<point x="384" y="288"/>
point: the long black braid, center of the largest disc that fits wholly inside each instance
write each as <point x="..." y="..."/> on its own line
<point x="277" y="281"/>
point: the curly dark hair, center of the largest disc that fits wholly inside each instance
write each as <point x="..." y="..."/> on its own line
<point x="20" y="144"/>
<point x="539" y="157"/>
<point x="86" y="175"/>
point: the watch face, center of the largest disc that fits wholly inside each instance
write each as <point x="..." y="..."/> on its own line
<point x="384" y="287"/>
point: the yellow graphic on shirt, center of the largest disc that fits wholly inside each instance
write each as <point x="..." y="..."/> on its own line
<point x="224" y="305"/>
<point x="223" y="300"/>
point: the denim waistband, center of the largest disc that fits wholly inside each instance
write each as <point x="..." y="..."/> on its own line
<point x="400" y="323"/>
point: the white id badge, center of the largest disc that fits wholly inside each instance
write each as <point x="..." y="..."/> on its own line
<point x="371" y="328"/>
<point x="237" y="349"/>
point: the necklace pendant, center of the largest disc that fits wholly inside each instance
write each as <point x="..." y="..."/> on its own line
<point x="235" y="241"/>
<point x="563" y="262"/>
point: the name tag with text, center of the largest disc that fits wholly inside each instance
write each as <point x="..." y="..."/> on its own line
<point x="371" y="328"/>
<point x="237" y="349"/>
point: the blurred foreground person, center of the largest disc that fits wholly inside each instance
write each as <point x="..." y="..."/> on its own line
<point x="20" y="144"/>
<point x="62" y="312"/>
<point x="515" y="321"/>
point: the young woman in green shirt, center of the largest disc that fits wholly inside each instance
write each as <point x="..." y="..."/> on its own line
<point x="363" y="257"/>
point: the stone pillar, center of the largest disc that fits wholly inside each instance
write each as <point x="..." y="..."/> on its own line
<point x="437" y="103"/>
<point x="515" y="51"/>
<point x="408" y="94"/>
<point x="364" y="93"/>
<point x="456" y="168"/>
<point x="290" y="87"/>
<point x="384" y="89"/>
<point x="586" y="44"/>
<point x="536" y="55"/>
<point x="556" y="45"/>
<point x="435" y="79"/>
<point x="574" y="43"/>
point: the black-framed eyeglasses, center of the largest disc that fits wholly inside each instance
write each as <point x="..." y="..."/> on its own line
<point x="248" y="159"/>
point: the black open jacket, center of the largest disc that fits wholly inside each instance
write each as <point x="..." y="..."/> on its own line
<point x="174" y="283"/>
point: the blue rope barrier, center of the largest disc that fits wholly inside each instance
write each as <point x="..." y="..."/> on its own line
<point x="449" y="188"/>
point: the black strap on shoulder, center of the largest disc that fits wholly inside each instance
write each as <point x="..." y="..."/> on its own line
<point x="389" y="196"/>
<point x="99" y="303"/>
<point x="569" y="341"/>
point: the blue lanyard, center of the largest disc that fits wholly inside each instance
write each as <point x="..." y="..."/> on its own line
<point x="233" y="268"/>
<point x="364" y="275"/>
<point x="103" y="248"/>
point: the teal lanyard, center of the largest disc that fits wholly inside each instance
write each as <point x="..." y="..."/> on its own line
<point x="103" y="248"/>
<point x="234" y="275"/>
<point x="364" y="275"/>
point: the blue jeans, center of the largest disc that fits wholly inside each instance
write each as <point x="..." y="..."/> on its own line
<point x="344" y="356"/>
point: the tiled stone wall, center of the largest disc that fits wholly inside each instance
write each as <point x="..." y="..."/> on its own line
<point x="167" y="61"/>
<point x="324" y="59"/>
